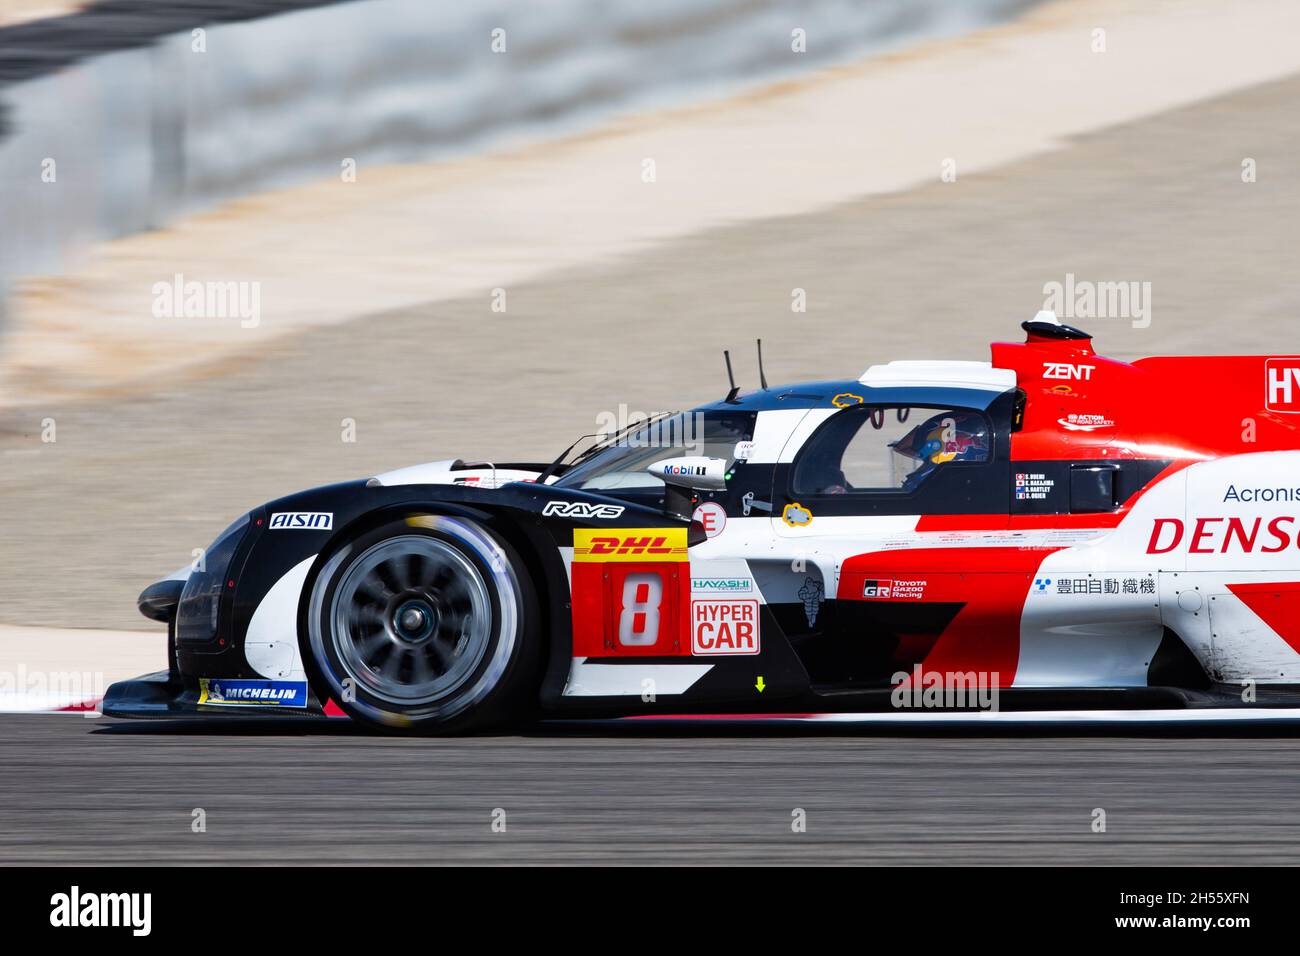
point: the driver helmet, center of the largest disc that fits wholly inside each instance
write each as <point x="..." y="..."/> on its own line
<point x="945" y="437"/>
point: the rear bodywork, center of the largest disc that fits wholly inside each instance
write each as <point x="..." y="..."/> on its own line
<point x="1127" y="537"/>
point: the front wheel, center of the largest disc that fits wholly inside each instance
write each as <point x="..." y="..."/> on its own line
<point x="424" y="625"/>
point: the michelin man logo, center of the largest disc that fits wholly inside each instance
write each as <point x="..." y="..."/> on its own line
<point x="811" y="594"/>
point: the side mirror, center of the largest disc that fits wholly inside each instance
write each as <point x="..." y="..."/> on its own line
<point x="696" y="473"/>
<point x="682" y="477"/>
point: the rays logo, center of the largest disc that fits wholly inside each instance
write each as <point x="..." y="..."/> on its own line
<point x="1042" y="584"/>
<point x="580" y="509"/>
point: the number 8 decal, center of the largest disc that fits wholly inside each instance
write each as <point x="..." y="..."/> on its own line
<point x="638" y="622"/>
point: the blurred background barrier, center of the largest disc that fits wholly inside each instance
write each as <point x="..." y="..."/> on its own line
<point x="141" y="119"/>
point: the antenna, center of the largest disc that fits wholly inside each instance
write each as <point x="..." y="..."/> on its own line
<point x="762" y="378"/>
<point x="731" y="395"/>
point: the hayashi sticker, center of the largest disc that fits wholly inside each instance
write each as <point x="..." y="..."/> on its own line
<point x="796" y="515"/>
<point x="846" y="399"/>
<point x="629" y="544"/>
<point x="1085" y="423"/>
<point x="724" y="627"/>
<point x="722" y="585"/>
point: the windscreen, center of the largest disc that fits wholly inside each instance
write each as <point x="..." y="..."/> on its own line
<point x="621" y="465"/>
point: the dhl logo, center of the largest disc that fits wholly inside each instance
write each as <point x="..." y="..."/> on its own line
<point x="629" y="544"/>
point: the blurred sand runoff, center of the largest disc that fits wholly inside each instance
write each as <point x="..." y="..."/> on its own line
<point x="400" y="236"/>
<point x="138" y="479"/>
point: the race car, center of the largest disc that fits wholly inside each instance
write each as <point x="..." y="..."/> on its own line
<point x="1048" y="530"/>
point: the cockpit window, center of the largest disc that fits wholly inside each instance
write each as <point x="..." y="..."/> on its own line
<point x="621" y="466"/>
<point x="889" y="448"/>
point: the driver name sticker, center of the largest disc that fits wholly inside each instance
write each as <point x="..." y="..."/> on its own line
<point x="1032" y="486"/>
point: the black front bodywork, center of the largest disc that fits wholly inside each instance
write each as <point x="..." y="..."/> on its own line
<point x="263" y="555"/>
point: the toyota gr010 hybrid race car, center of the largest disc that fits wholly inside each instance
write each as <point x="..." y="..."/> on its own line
<point x="1071" y="531"/>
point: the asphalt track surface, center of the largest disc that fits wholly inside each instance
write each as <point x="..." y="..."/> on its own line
<point x="78" y="790"/>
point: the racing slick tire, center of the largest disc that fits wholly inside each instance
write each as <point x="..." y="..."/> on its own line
<point x="427" y="625"/>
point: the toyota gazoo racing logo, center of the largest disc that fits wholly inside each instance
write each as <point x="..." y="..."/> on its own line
<point x="1282" y="385"/>
<point x="302" y="520"/>
<point x="629" y="544"/>
<point x="580" y="509"/>
<point x="895" y="589"/>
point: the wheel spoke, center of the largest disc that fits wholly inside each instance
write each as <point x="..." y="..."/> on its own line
<point x="372" y="588"/>
<point x="412" y="618"/>
<point x="421" y="669"/>
<point x="442" y="653"/>
<point x="391" y="668"/>
<point x="388" y="573"/>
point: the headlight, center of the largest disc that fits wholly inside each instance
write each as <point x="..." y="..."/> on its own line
<point x="196" y="617"/>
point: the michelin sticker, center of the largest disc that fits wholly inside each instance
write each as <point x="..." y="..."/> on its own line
<point x="214" y="692"/>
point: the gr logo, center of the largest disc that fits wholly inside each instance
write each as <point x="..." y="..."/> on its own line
<point x="302" y="520"/>
<point x="877" y="589"/>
